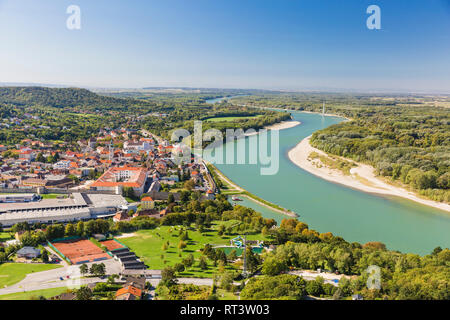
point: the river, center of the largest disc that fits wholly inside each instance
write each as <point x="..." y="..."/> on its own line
<point x="327" y="207"/>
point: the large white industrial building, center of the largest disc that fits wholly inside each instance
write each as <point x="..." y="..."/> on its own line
<point x="78" y="206"/>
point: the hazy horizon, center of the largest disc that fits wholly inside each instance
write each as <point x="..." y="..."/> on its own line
<point x="268" y="45"/>
<point x="306" y="90"/>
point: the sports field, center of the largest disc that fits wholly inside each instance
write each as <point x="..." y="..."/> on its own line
<point x="111" y="244"/>
<point x="80" y="251"/>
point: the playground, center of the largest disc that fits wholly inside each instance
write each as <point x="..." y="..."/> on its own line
<point x="237" y="244"/>
<point x="79" y="251"/>
<point x="239" y="251"/>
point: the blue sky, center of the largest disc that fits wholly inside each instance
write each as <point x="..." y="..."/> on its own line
<point x="277" y="44"/>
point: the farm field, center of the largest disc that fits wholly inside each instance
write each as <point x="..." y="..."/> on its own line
<point x="11" y="273"/>
<point x="148" y="246"/>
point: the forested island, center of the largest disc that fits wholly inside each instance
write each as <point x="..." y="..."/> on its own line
<point x="406" y="138"/>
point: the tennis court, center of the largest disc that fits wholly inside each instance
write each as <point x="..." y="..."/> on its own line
<point x="112" y="245"/>
<point x="80" y="251"/>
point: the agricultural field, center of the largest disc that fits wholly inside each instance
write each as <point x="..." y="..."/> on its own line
<point x="148" y="245"/>
<point x="11" y="273"/>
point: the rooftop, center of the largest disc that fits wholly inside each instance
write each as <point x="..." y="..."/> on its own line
<point x="129" y="289"/>
<point x="112" y="177"/>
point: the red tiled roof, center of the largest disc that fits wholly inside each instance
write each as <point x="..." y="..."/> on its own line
<point x="130" y="289"/>
<point x="108" y="178"/>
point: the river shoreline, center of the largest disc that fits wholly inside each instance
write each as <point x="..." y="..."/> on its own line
<point x="244" y="193"/>
<point x="277" y="126"/>
<point x="361" y="178"/>
<point x="283" y="125"/>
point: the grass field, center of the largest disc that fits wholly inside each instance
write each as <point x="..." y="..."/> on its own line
<point x="148" y="245"/>
<point x="4" y="236"/>
<point x="225" y="119"/>
<point x="47" y="293"/>
<point x="53" y="196"/>
<point x="11" y="273"/>
<point x="226" y="295"/>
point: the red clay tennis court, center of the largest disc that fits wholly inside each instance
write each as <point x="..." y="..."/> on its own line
<point x="80" y="251"/>
<point x="112" y="245"/>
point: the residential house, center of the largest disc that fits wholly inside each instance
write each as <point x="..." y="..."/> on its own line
<point x="147" y="203"/>
<point x="129" y="292"/>
<point x="28" y="253"/>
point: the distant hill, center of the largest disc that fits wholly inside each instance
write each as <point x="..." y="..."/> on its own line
<point x="64" y="98"/>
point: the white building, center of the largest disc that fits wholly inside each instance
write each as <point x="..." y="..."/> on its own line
<point x="62" y="165"/>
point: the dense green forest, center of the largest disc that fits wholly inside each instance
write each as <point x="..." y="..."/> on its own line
<point x="405" y="145"/>
<point x="72" y="99"/>
<point x="184" y="117"/>
<point x="402" y="276"/>
<point x="71" y="114"/>
<point x="406" y="138"/>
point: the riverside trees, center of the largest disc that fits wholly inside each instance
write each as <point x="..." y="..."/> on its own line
<point x="403" y="276"/>
<point x="405" y="137"/>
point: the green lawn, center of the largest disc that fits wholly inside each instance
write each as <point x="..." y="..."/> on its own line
<point x="147" y="245"/>
<point x="53" y="196"/>
<point x="222" y="119"/>
<point x="130" y="200"/>
<point x="47" y="293"/>
<point x="224" y="295"/>
<point x="11" y="273"/>
<point x="5" y="236"/>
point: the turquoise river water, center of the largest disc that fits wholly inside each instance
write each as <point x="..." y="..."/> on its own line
<point x="328" y="207"/>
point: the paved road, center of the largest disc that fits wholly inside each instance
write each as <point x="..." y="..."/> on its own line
<point x="49" y="249"/>
<point x="196" y="281"/>
<point x="51" y="278"/>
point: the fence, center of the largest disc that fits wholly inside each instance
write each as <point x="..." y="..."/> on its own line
<point x="67" y="238"/>
<point x="120" y="243"/>
<point x="58" y="252"/>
